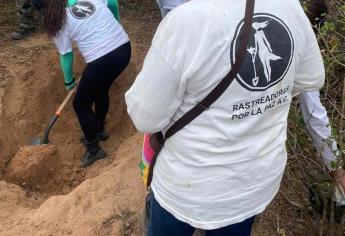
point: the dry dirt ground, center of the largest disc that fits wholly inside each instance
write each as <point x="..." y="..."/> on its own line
<point x="57" y="197"/>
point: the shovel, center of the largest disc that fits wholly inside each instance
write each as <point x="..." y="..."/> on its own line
<point x="45" y="140"/>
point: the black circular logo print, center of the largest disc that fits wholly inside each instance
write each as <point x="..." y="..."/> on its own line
<point x="269" y="52"/>
<point x="83" y="9"/>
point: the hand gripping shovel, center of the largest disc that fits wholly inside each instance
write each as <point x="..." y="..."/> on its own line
<point x="39" y="141"/>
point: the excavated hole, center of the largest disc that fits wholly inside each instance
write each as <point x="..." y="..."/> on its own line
<point x="28" y="102"/>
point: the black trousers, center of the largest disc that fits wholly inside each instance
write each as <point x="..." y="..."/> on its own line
<point x="93" y="89"/>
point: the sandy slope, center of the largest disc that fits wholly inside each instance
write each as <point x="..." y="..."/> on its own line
<point x="108" y="204"/>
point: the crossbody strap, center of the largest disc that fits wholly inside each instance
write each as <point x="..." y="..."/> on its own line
<point x="225" y="83"/>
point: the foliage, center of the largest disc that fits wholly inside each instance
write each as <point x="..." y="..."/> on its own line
<point x="304" y="166"/>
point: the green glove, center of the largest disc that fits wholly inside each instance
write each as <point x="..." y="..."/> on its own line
<point x="70" y="85"/>
<point x="66" y="61"/>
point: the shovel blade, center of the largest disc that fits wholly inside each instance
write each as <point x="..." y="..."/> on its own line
<point x="35" y="141"/>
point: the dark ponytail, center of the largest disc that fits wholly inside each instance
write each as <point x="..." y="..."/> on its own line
<point x="54" y="15"/>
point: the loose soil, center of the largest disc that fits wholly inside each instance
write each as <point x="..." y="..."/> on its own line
<point x="34" y="167"/>
<point x="43" y="190"/>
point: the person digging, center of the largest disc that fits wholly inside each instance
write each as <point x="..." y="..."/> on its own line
<point x="94" y="26"/>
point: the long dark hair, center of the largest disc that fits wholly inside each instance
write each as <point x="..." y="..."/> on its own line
<point x="54" y="16"/>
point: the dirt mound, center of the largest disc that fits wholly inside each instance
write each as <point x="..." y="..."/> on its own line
<point x="13" y="202"/>
<point x="109" y="204"/>
<point x="33" y="166"/>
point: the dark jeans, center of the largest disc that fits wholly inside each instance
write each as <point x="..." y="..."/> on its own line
<point x="162" y="223"/>
<point x="93" y="89"/>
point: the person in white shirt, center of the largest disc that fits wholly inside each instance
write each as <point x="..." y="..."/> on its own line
<point x="94" y="26"/>
<point x="226" y="166"/>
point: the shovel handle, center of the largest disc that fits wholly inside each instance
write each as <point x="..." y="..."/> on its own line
<point x="63" y="104"/>
<point x="57" y="115"/>
<point x="48" y="128"/>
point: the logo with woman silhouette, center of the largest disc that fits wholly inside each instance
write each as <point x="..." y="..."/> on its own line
<point x="83" y="9"/>
<point x="269" y="53"/>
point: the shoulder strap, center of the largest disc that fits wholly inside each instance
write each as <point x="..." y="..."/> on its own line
<point x="225" y="83"/>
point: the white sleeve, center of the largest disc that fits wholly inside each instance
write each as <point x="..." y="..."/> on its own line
<point x="63" y="42"/>
<point x="155" y="95"/>
<point x="310" y="73"/>
<point x="317" y="123"/>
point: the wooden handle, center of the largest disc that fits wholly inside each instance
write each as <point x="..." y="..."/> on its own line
<point x="63" y="104"/>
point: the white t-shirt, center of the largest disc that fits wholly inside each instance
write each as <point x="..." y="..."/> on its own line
<point x="92" y="26"/>
<point x="227" y="164"/>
